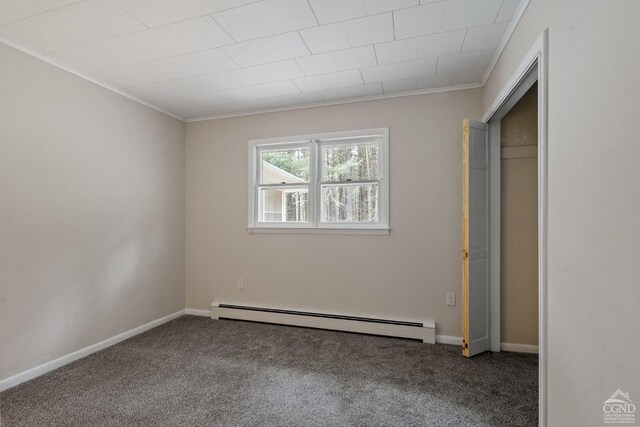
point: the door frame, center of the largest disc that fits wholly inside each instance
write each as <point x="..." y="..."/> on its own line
<point x="536" y="58"/>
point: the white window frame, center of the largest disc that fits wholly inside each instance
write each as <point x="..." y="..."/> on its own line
<point x="315" y="142"/>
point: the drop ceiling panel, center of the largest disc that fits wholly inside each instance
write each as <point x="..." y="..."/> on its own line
<point x="321" y="63"/>
<point x="459" y="62"/>
<point x="358" y="57"/>
<point x="214" y="57"/>
<point x="508" y="10"/>
<point x="170" y="68"/>
<point x="397" y="51"/>
<point x="50" y="4"/>
<point x="244" y="23"/>
<point x="329" y="81"/>
<point x="381" y="73"/>
<point x="171" y="40"/>
<point x="326" y="38"/>
<point x="287" y="15"/>
<point x="154" y="13"/>
<point x="471" y="13"/>
<point x="419" y="67"/>
<point x="485" y="37"/>
<point x="421" y="20"/>
<point x="351" y="92"/>
<point x="379" y="6"/>
<point x="369" y="30"/>
<point x="268" y="49"/>
<point x="79" y="24"/>
<point x="328" y="11"/>
<point x="447" y="43"/>
<point x="15" y="10"/>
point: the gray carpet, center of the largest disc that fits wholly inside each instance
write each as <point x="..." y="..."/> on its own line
<point x="196" y="371"/>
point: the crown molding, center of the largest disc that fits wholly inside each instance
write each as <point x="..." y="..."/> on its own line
<point x="337" y="102"/>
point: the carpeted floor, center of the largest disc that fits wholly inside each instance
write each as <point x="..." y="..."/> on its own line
<point x="194" y="371"/>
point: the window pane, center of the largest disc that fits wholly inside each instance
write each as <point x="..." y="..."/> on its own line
<point x="350" y="203"/>
<point x="283" y="205"/>
<point x="355" y="162"/>
<point x="288" y="166"/>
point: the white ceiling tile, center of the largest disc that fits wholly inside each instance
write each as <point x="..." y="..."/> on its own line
<point x="196" y="8"/>
<point x="329" y="81"/>
<point x="460" y="62"/>
<point x="51" y="4"/>
<point x="285" y="46"/>
<point x="508" y="10"/>
<point x="369" y="30"/>
<point x="397" y="51"/>
<point x="447" y="43"/>
<point x="155" y="13"/>
<point x="380" y="73"/>
<point x="276" y="71"/>
<point x="14" y="10"/>
<point x="372" y="89"/>
<point x="417" y="21"/>
<point x="171" y="40"/>
<point x="295" y="99"/>
<point x="486" y="57"/>
<point x="248" y="53"/>
<point x="328" y="11"/>
<point x="268" y="90"/>
<point x="268" y="49"/>
<point x="321" y="63"/>
<point x="152" y="13"/>
<point x="434" y="81"/>
<point x="326" y="38"/>
<point x="81" y="23"/>
<point x="190" y="85"/>
<point x="358" y="57"/>
<point x="379" y="6"/>
<point x="287" y="15"/>
<point x="174" y="67"/>
<point x="236" y="3"/>
<point x="467" y="77"/>
<point x="419" y="67"/>
<point x="485" y="37"/>
<point x="350" y="92"/>
<point x="471" y="13"/>
<point x="395" y="86"/>
<point x="243" y="23"/>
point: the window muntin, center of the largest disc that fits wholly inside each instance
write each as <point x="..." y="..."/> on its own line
<point x="327" y="181"/>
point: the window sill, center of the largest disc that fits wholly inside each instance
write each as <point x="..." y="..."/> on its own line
<point x="292" y="230"/>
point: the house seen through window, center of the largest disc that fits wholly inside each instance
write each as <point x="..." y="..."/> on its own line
<point x="320" y="181"/>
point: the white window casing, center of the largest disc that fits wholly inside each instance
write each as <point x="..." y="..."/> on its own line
<point x="315" y="143"/>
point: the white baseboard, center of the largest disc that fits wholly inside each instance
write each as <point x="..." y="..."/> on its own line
<point x="445" y="339"/>
<point x="71" y="357"/>
<point x="516" y="348"/>
<point x="519" y="348"/>
<point x="197" y="312"/>
<point x="424" y="331"/>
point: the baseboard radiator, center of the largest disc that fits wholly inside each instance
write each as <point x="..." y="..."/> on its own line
<point x="424" y="331"/>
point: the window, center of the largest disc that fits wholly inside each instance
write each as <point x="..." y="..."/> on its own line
<point x="318" y="183"/>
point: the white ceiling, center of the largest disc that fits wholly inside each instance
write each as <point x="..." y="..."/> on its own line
<point x="198" y="58"/>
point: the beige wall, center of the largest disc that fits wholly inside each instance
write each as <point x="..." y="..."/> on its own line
<point x="91" y="213"/>
<point x="404" y="275"/>
<point x="594" y="201"/>
<point x="519" y="223"/>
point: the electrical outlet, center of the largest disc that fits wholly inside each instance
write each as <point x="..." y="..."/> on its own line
<point x="451" y="299"/>
<point x="241" y="283"/>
